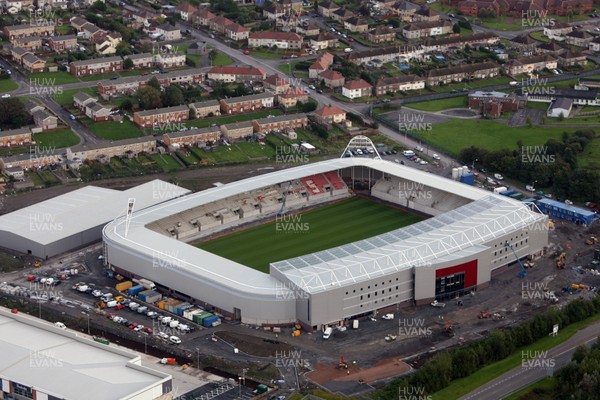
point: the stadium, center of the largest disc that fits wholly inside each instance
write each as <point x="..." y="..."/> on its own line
<point x="454" y="239"/>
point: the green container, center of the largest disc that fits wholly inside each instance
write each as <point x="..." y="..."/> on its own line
<point x="262" y="388"/>
<point x="199" y="318"/>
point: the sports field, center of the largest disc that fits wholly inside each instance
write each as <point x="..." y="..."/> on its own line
<point x="318" y="229"/>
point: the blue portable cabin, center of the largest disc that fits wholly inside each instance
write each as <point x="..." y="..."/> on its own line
<point x="468" y="179"/>
<point x="566" y="212"/>
<point x="133" y="291"/>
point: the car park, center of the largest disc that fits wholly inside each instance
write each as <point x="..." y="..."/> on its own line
<point x="174" y="340"/>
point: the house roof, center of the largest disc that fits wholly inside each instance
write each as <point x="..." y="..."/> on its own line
<point x="12" y="132"/>
<point x="19" y="51"/>
<point x="357" y="21"/>
<point x="281" y="118"/>
<point x="399" y="79"/>
<point x="62" y="38"/>
<point x="525" y="39"/>
<point x="139" y="56"/>
<point x="203" y="104"/>
<point x="276" y="80"/>
<point x="324" y="36"/>
<point x="329" y="111"/>
<point x="164" y="110"/>
<point x="417" y="26"/>
<point x="27" y="39"/>
<point x="237" y="28"/>
<point x="580" y="35"/>
<point x="186" y="8"/>
<point x="331" y="75"/>
<point x="533" y="59"/>
<point x="293" y="92"/>
<point x="287" y="36"/>
<point x="228" y="70"/>
<point x="204" y="14"/>
<point x="381" y="30"/>
<point x="251" y="97"/>
<point x="427" y="12"/>
<point x="462" y="39"/>
<point x="239" y="125"/>
<point x="357" y="84"/>
<point x="329" y="5"/>
<point x="43" y="114"/>
<point x="465" y="68"/>
<point x="550" y="46"/>
<point x="568" y="54"/>
<point x="194" y="131"/>
<point x="82" y="63"/>
<point x="323" y="62"/>
<point x="30" y="58"/>
<point x="81" y="97"/>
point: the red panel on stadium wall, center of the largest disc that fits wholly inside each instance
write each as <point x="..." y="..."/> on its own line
<point x="469" y="268"/>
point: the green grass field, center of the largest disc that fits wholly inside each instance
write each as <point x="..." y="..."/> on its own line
<point x="439" y="105"/>
<point x="58" y="138"/>
<point x="6" y="85"/>
<point x="114" y="130"/>
<point x="315" y="230"/>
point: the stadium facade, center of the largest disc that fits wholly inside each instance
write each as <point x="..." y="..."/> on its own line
<point x="471" y="234"/>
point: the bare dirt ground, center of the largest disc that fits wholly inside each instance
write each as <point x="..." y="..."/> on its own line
<point x="385" y="368"/>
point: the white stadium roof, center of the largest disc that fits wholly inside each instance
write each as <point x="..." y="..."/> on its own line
<point x="488" y="216"/>
<point x="56" y="362"/>
<point x="82" y="209"/>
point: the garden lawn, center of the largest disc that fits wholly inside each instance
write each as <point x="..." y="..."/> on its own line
<point x="56" y="139"/>
<point x="114" y="130"/>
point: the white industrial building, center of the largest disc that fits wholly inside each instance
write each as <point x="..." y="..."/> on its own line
<point x="471" y="235"/>
<point x="40" y="361"/>
<point x="75" y="219"/>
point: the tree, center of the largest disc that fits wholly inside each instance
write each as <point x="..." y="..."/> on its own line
<point x="13" y="114"/>
<point x="126" y="105"/>
<point x="149" y="98"/>
<point x="154" y="83"/>
<point x="213" y="54"/>
<point x="192" y="113"/>
<point x="172" y="96"/>
<point x="456" y="28"/>
<point x="128" y="63"/>
<point x="98" y="5"/>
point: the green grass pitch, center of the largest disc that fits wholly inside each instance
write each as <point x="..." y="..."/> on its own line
<point x="315" y="230"/>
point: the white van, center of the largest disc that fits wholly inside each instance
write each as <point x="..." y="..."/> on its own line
<point x="327" y="332"/>
<point x="408" y="153"/>
<point x="174" y="340"/>
<point x="60" y="325"/>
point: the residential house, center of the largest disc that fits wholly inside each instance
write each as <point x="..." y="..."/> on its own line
<point x="16" y="137"/>
<point x="96" y="66"/>
<point x="525" y="44"/>
<point x="310" y="29"/>
<point x="169" y="32"/>
<point x="245" y="104"/>
<point x="276" y="84"/>
<point x="571" y="59"/>
<point x="193" y="137"/>
<point x="13" y="6"/>
<point x="130" y="84"/>
<point x="461" y="73"/>
<point x="330" y="115"/>
<point x="327" y="8"/>
<point x="291" y="5"/>
<point x="332" y="79"/>
<point x="17" y="53"/>
<point x="33" y="63"/>
<point x="594" y="45"/>
<point x="98" y="112"/>
<point x="460" y="41"/>
<point x="236" y="74"/>
<point x="186" y="10"/>
<point x="557" y="30"/>
<point x="119" y="148"/>
<point x="237" y="32"/>
<point x="386" y="54"/>
<point x="342" y="15"/>
<point x="219" y="23"/>
<point x="165" y="115"/>
<point x="323" y="41"/>
<point x="560" y="108"/>
<point x="324" y="61"/>
<point x="292" y="96"/>
<point x="475" y="7"/>
<point x="402" y="83"/>
<point x="281" y="40"/>
<point x="92" y="33"/>
<point x="210" y="108"/>
<point x="62" y="43"/>
<point x="357" y="88"/>
<point x="356" y="24"/>
<point x="381" y="34"/>
<point x="77" y="23"/>
<point x="237" y="130"/>
<point x="30" y="43"/>
<point x="17" y="173"/>
<point x="273" y="12"/>
<point x="27" y="161"/>
<point x="579" y="38"/>
<point x="142" y="60"/>
<point x="426" y="15"/>
<point x="404" y="10"/>
<point x="14" y="31"/>
<point x="82" y="99"/>
<point x="551" y="48"/>
<point x="564" y="7"/>
<point x="279" y="123"/>
<point x="527" y="65"/>
<point x="202" y="17"/>
<point x="418" y="30"/>
<point x="170" y="60"/>
<point x="108" y="44"/>
<point x="43" y="119"/>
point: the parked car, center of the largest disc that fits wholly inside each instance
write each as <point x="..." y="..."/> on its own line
<point x="175" y="340"/>
<point x="6" y="95"/>
<point x="436" y="157"/>
<point x="498" y="176"/>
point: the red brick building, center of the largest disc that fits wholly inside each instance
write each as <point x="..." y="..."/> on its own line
<point x="96" y="66"/>
<point x="166" y="115"/>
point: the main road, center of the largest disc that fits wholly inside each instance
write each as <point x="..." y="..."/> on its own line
<point x="522" y="376"/>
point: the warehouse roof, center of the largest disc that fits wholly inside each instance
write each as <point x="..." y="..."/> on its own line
<point x="38" y="355"/>
<point x="82" y="209"/>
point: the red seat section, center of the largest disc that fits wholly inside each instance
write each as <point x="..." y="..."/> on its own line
<point x="335" y="180"/>
<point x="315" y="183"/>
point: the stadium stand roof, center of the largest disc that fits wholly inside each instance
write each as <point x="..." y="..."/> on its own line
<point x="439" y="236"/>
<point x="63" y="365"/>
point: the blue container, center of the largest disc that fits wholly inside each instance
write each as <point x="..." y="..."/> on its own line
<point x="144" y="296"/>
<point x="508" y="193"/>
<point x="133" y="291"/>
<point x="469" y="179"/>
<point x="207" y="322"/>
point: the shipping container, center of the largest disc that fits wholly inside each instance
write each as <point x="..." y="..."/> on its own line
<point x="153" y="298"/>
<point x="122" y="286"/>
<point x="209" y="321"/>
<point x="161" y="305"/>
<point x="132" y="291"/>
<point x="199" y="318"/>
<point x="145" y="294"/>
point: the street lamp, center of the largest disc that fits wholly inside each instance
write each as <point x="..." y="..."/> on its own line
<point x="88" y="321"/>
<point x="473" y="164"/>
